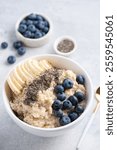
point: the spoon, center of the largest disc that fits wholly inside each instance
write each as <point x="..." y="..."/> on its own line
<point x="97" y="95"/>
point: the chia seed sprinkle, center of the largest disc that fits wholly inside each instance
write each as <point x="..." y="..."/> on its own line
<point x="65" y="46"/>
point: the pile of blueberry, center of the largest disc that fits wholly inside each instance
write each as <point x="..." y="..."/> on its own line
<point x="18" y="46"/>
<point x="69" y="104"/>
<point x="34" y="26"/>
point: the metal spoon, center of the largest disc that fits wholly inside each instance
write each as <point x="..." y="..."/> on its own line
<point x="97" y="95"/>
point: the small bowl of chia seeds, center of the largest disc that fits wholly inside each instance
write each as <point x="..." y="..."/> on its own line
<point x="65" y="45"/>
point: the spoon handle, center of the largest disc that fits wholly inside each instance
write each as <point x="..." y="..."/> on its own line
<point x="87" y="126"/>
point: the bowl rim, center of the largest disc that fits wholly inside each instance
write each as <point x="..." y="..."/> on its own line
<point x="16" y="119"/>
<point x="62" y="38"/>
<point x="30" y="39"/>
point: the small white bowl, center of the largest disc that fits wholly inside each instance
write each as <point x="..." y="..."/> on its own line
<point x="58" y="40"/>
<point x="60" y="62"/>
<point x="34" y="42"/>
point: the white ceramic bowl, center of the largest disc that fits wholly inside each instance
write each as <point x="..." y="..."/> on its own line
<point x="61" y="62"/>
<point x="34" y="42"/>
<point x="58" y="40"/>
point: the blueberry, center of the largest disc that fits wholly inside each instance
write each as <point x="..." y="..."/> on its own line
<point x="80" y="79"/>
<point x="23" y="22"/>
<point x="32" y="35"/>
<point x="46" y="23"/>
<point x="32" y="16"/>
<point x="46" y="29"/>
<point x="67" y="83"/>
<point x="17" y="44"/>
<point x="64" y="120"/>
<point x="35" y="22"/>
<point x="31" y="28"/>
<point x="57" y="104"/>
<point x="73" y="116"/>
<point x="43" y="34"/>
<point x="41" y="25"/>
<point x="29" y="22"/>
<point x="21" y="51"/>
<point x="11" y="59"/>
<point x="67" y="105"/>
<point x="73" y="99"/>
<point x="80" y="96"/>
<point x="79" y="109"/>
<point x="59" y="89"/>
<point x="27" y="34"/>
<point x="58" y="113"/>
<point x="22" y="28"/>
<point x="4" y="45"/>
<point x="39" y="18"/>
<point x="38" y="34"/>
<point x="61" y="96"/>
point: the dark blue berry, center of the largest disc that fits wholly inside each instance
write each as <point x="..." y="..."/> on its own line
<point x="29" y="22"/>
<point x="17" y="44"/>
<point x="67" y="83"/>
<point x="79" y="109"/>
<point x="32" y="35"/>
<point x="23" y="22"/>
<point x="58" y="113"/>
<point x="31" y="28"/>
<point x="39" y="18"/>
<point x="57" y="104"/>
<point x="43" y="33"/>
<point x="4" y="45"/>
<point x="38" y="34"/>
<point x="67" y="105"/>
<point x="46" y="29"/>
<point x="27" y="34"/>
<point x="41" y="25"/>
<point x="73" y="116"/>
<point x="21" y="51"/>
<point x="73" y="99"/>
<point x="32" y="16"/>
<point x="22" y="28"/>
<point x="46" y="23"/>
<point x="11" y="59"/>
<point x="59" y="89"/>
<point x="35" y="22"/>
<point x="80" y="96"/>
<point x="80" y="79"/>
<point x="61" y="96"/>
<point x="64" y="120"/>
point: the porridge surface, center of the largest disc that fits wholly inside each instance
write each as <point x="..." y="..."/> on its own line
<point x="34" y="104"/>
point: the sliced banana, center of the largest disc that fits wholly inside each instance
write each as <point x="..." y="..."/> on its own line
<point x="18" y="77"/>
<point x="13" y="86"/>
<point x="26" y="72"/>
<point x="44" y="65"/>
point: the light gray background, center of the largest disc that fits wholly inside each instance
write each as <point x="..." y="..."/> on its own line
<point x="78" y="18"/>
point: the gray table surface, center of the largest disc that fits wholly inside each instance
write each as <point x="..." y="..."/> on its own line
<point x="78" y="18"/>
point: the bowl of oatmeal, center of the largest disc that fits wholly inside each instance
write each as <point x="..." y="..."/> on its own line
<point x="47" y="95"/>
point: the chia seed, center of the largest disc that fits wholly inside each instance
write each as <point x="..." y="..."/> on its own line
<point x="41" y="83"/>
<point x="65" y="46"/>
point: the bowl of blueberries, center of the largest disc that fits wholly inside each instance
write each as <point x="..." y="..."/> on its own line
<point x="34" y="30"/>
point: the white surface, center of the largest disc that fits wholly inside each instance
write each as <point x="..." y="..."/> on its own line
<point x="78" y="18"/>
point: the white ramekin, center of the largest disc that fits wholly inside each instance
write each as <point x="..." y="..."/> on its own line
<point x="59" y="39"/>
<point x="61" y="62"/>
<point x="34" y="42"/>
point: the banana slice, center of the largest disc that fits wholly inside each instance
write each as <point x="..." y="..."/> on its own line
<point x="44" y="64"/>
<point x="18" y="77"/>
<point x="13" y="86"/>
<point x="26" y="72"/>
<point x="24" y="77"/>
